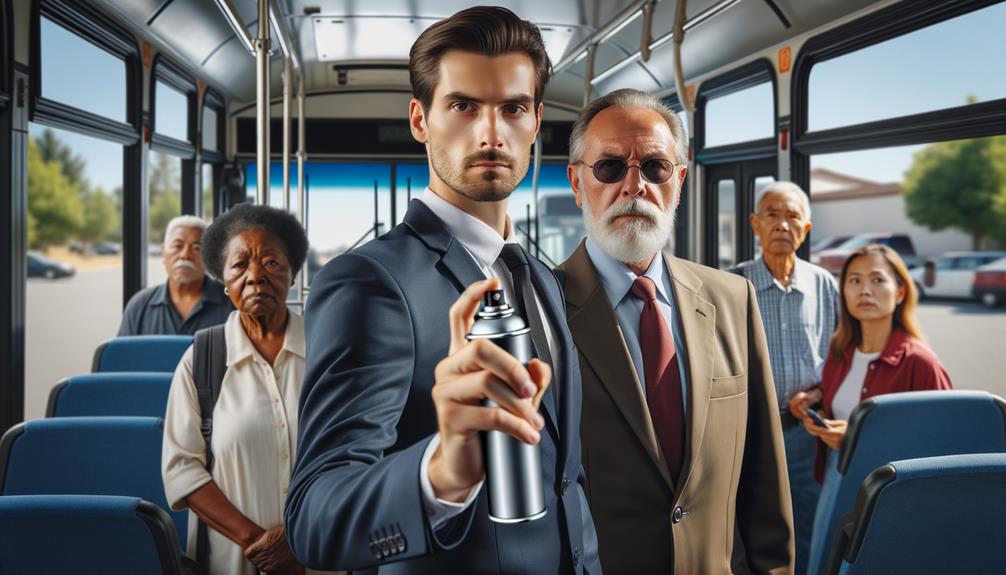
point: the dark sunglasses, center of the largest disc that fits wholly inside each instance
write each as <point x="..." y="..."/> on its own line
<point x="613" y="170"/>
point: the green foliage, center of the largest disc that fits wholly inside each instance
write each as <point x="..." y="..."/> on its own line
<point x="960" y="184"/>
<point x="55" y="212"/>
<point x="72" y="165"/>
<point x="101" y="217"/>
<point x="164" y="187"/>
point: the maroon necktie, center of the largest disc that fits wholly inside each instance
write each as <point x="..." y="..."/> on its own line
<point x="663" y="382"/>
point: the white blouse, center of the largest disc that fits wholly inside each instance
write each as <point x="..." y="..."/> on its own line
<point x="254" y="437"/>
<point x="848" y="394"/>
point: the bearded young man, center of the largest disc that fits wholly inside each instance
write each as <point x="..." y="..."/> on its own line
<point x="681" y="438"/>
<point x="390" y="469"/>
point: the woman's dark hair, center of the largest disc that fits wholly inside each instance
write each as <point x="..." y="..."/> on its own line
<point x="280" y="224"/>
<point x="486" y="30"/>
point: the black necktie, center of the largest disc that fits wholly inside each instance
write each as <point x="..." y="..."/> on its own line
<point x="515" y="260"/>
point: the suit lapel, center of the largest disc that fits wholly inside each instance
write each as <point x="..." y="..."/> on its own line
<point x="597" y="334"/>
<point x="545" y="288"/>
<point x="698" y="324"/>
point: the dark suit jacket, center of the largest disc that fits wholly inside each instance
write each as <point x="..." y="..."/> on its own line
<point x="733" y="492"/>
<point x="377" y="325"/>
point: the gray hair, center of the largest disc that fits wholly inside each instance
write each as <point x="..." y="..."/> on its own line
<point x="781" y="188"/>
<point x="626" y="99"/>
<point x="185" y="221"/>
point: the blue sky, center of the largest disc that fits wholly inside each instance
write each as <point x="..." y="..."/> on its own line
<point x="926" y="70"/>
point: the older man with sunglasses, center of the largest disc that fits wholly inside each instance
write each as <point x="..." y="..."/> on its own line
<point x="680" y="429"/>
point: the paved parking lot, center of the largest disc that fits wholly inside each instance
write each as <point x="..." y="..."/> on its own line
<point x="68" y="318"/>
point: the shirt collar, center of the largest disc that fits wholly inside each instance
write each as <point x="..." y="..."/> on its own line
<point x="213" y="292"/>
<point x="239" y="346"/>
<point x="801" y="279"/>
<point x="894" y="351"/>
<point x="475" y="235"/>
<point x="617" y="278"/>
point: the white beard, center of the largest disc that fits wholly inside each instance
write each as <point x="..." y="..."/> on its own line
<point x="634" y="242"/>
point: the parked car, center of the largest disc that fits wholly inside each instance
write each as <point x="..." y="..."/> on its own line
<point x="952" y="274"/>
<point x="990" y="283"/>
<point x="825" y="243"/>
<point x="833" y="259"/>
<point x="106" y="248"/>
<point x="40" y="266"/>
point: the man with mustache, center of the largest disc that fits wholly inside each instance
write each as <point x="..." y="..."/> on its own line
<point x="390" y="469"/>
<point x="189" y="300"/>
<point x="800" y="306"/>
<point x="681" y="440"/>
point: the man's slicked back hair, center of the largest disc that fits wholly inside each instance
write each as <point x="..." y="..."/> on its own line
<point x="627" y="99"/>
<point x="485" y="30"/>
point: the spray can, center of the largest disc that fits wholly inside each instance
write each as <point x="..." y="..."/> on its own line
<point x="513" y="468"/>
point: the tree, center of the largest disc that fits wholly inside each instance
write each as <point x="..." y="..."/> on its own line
<point x="54" y="209"/>
<point x="960" y="184"/>
<point x="164" y="187"/>
<point x="100" y="217"/>
<point x="54" y="150"/>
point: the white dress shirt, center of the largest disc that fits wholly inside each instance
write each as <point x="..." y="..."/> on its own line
<point x="484" y="245"/>
<point x="617" y="280"/>
<point x="254" y="437"/>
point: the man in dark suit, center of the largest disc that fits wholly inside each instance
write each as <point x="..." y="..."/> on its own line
<point x="683" y="452"/>
<point x="387" y="478"/>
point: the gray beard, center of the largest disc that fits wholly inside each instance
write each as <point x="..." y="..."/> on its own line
<point x="632" y="243"/>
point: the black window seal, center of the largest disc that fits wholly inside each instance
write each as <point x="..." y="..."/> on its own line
<point x="976" y="120"/>
<point x="748" y="75"/>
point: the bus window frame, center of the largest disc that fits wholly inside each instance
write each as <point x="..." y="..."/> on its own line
<point x="969" y="121"/>
<point x="216" y="158"/>
<point x="12" y="267"/>
<point x="167" y="72"/>
<point x="754" y="73"/>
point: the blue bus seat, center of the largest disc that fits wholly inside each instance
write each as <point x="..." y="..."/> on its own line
<point x="901" y="426"/>
<point x="930" y="515"/>
<point x="141" y="353"/>
<point x="86" y="534"/>
<point x="87" y="456"/>
<point x="119" y="393"/>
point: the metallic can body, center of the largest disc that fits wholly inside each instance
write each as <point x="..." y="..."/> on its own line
<point x="513" y="468"/>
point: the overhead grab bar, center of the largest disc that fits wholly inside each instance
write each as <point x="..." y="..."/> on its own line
<point x="286" y="43"/>
<point x="644" y="42"/>
<point x="237" y="24"/>
<point x="591" y="55"/>
<point x="679" y="38"/>
<point x="602" y="34"/>
<point x="262" y="110"/>
<point x="698" y="20"/>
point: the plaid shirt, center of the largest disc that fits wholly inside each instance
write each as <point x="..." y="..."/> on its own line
<point x="799" y="322"/>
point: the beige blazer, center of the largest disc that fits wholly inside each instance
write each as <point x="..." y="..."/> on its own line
<point x="733" y="494"/>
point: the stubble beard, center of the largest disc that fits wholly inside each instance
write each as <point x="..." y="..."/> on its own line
<point x="490" y="186"/>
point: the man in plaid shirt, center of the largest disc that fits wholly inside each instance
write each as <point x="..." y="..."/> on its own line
<point x="799" y="307"/>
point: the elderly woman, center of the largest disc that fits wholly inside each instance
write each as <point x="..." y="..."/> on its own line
<point x="256" y="252"/>
<point x="877" y="349"/>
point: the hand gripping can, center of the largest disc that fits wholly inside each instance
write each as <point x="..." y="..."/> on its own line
<point x="513" y="468"/>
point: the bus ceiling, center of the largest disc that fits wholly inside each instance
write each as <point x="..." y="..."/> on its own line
<point x="632" y="41"/>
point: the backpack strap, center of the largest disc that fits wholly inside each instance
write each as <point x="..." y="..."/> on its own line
<point x="209" y="362"/>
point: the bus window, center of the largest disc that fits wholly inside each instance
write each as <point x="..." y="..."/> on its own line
<point x="872" y="83"/>
<point x="208" y="192"/>
<point x="74" y="287"/>
<point x="171" y="109"/>
<point x="164" y="188"/>
<point x="210" y="124"/>
<point x="741" y="116"/>
<point x="70" y="81"/>
<point x="726" y="202"/>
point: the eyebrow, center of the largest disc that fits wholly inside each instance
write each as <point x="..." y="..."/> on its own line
<point x="518" y="99"/>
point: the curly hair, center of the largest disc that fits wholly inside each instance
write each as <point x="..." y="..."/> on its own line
<point x="280" y="224"/>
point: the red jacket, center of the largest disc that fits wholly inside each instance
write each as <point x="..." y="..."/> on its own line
<point x="906" y="364"/>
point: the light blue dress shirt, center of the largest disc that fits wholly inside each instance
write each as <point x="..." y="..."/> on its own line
<point x="617" y="280"/>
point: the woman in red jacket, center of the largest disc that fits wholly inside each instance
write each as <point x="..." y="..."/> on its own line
<point x="878" y="347"/>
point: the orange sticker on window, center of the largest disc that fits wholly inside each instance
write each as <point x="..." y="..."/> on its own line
<point x="785" y="59"/>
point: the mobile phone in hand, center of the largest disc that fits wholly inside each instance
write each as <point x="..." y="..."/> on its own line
<point x="818" y="421"/>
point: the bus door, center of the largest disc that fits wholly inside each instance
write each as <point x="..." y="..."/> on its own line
<point x="730" y="193"/>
